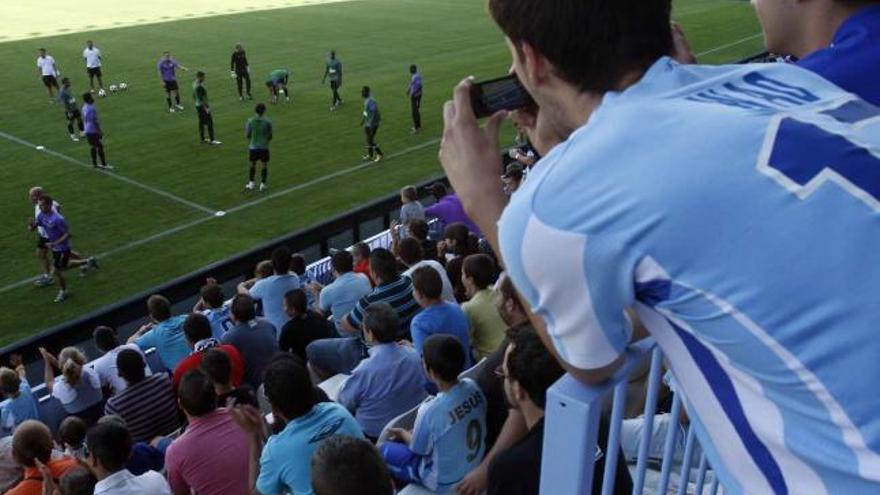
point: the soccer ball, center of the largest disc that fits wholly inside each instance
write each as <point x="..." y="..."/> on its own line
<point x="113" y="88"/>
<point x="103" y="93"/>
<point x="123" y="86"/>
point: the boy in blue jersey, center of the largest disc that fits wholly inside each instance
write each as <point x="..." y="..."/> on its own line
<point x="449" y="437"/>
<point x="19" y="403"/>
<point x="837" y="39"/>
<point x="736" y="231"/>
<point x="213" y="305"/>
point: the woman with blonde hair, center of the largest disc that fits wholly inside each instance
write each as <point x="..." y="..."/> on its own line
<point x="78" y="388"/>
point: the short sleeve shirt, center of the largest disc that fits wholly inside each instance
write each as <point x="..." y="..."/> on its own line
<point x="271" y="291"/>
<point x="93" y="57"/>
<point x="340" y="297"/>
<point x="47" y="65"/>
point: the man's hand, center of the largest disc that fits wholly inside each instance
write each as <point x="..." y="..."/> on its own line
<point x="475" y="483"/>
<point x="48" y="357"/>
<point x="49" y="487"/>
<point x="471" y="158"/>
<point x="15" y="360"/>
<point x="400" y="435"/>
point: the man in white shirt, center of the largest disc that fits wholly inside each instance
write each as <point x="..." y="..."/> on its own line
<point x="410" y="253"/>
<point x="109" y="449"/>
<point x="49" y="71"/>
<point x="92" y="56"/>
<point x="107" y="342"/>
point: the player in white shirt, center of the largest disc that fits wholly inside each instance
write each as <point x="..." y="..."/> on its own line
<point x="35" y="193"/>
<point x="49" y="71"/>
<point x="92" y="56"/>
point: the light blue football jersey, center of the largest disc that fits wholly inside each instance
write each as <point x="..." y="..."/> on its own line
<point x="737" y="209"/>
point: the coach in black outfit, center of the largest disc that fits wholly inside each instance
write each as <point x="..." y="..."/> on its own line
<point x="238" y="65"/>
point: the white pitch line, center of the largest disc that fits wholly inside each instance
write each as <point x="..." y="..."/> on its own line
<point x="243" y="206"/>
<point x="728" y="45"/>
<point x="122" y="178"/>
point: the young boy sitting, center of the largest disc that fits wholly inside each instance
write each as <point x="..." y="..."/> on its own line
<point x="22" y="405"/>
<point x="448" y="440"/>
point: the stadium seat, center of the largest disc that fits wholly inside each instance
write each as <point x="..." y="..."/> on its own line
<point x="333" y="385"/>
<point x="473" y="371"/>
<point x="52" y="413"/>
<point x="406" y="421"/>
<point x="153" y="360"/>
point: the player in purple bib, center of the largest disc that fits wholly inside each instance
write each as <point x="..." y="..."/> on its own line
<point x="167" y="67"/>
<point x="93" y="131"/>
<point x="57" y="233"/>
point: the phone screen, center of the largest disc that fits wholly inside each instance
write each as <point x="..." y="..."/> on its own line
<point x="505" y="93"/>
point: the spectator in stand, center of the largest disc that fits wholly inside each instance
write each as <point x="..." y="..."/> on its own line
<point x="20" y="405"/>
<point x="164" y="332"/>
<point x="299" y="267"/>
<point x="77" y="481"/>
<point x="213" y="305"/>
<point x="148" y="404"/>
<point x="255" y="339"/>
<point x="836" y="39"/>
<point x="411" y="208"/>
<point x="211" y="457"/>
<point x="338" y="298"/>
<point x="144" y="456"/>
<point x="360" y="253"/>
<point x="457" y="243"/>
<point x="217" y="365"/>
<point x="478" y="274"/>
<point x="348" y="466"/>
<point x="78" y="388"/>
<point x="72" y="434"/>
<point x="419" y="230"/>
<point x="110" y="446"/>
<point x="439" y="452"/>
<point x="198" y="337"/>
<point x="107" y="342"/>
<point x="437" y="316"/>
<point x="328" y="357"/>
<point x="281" y="464"/>
<point x="448" y="209"/>
<point x="32" y="444"/>
<point x="409" y="251"/>
<point x="512" y="178"/>
<point x="388" y="382"/>
<point x="304" y="326"/>
<point x="10" y="471"/>
<point x="271" y="290"/>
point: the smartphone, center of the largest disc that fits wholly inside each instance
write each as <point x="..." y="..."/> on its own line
<point x="504" y="93"/>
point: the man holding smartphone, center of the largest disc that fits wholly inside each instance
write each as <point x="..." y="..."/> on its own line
<point x="687" y="232"/>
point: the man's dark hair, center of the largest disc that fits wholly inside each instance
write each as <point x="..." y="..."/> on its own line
<point x="77" y="481"/>
<point x="130" y="366"/>
<point x="105" y="338"/>
<point x="217" y="366"/>
<point x="382" y="321"/>
<point x="73" y="431"/>
<point x="242" y="308"/>
<point x="111" y="445"/>
<point x="342" y="262"/>
<point x="444" y="355"/>
<point x="439" y="190"/>
<point x="532" y="365"/>
<point x="296" y="299"/>
<point x="197" y="327"/>
<point x="288" y="386"/>
<point x="200" y="73"/>
<point x="196" y="391"/>
<point x="361" y="249"/>
<point x="509" y="293"/>
<point x="298" y="264"/>
<point x="593" y="44"/>
<point x="65" y="81"/>
<point x="281" y="260"/>
<point x="365" y="91"/>
<point x="410" y="251"/>
<point x="384" y="265"/>
<point x="413" y="69"/>
<point x="481" y="269"/>
<point x="344" y="465"/>
<point x="465" y="242"/>
<point x="159" y="307"/>
<point x="427" y="281"/>
<point x="418" y="228"/>
<point x="212" y="294"/>
<point x="88" y="98"/>
<point x="31" y="440"/>
<point x="260" y="109"/>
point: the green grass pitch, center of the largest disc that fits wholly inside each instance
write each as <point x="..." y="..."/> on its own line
<point x="152" y="238"/>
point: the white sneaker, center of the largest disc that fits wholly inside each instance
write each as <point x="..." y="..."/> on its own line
<point x="62" y="295"/>
<point x="249" y="186"/>
<point x="170" y="109"/>
<point x="105" y="167"/>
<point x="74" y="138"/>
<point x="179" y="107"/>
<point x="82" y="134"/>
<point x="44" y="281"/>
<point x="263" y="186"/>
<point x="215" y="142"/>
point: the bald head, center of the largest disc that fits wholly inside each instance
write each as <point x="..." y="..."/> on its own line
<point x="32" y="440"/>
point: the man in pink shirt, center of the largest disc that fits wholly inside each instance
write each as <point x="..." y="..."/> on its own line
<point x="212" y="457"/>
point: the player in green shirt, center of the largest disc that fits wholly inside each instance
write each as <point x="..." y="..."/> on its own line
<point x="370" y="123"/>
<point x="258" y="130"/>
<point x="277" y="83"/>
<point x="200" y="98"/>
<point x="71" y="110"/>
<point x="333" y="69"/>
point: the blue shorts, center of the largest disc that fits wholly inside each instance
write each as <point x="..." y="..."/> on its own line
<point x="340" y="355"/>
<point x="402" y="462"/>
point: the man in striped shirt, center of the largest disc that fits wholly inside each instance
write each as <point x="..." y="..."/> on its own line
<point x="328" y="357"/>
<point x="148" y="405"/>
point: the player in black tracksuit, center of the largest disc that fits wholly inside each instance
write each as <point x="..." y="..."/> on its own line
<point x="241" y="71"/>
